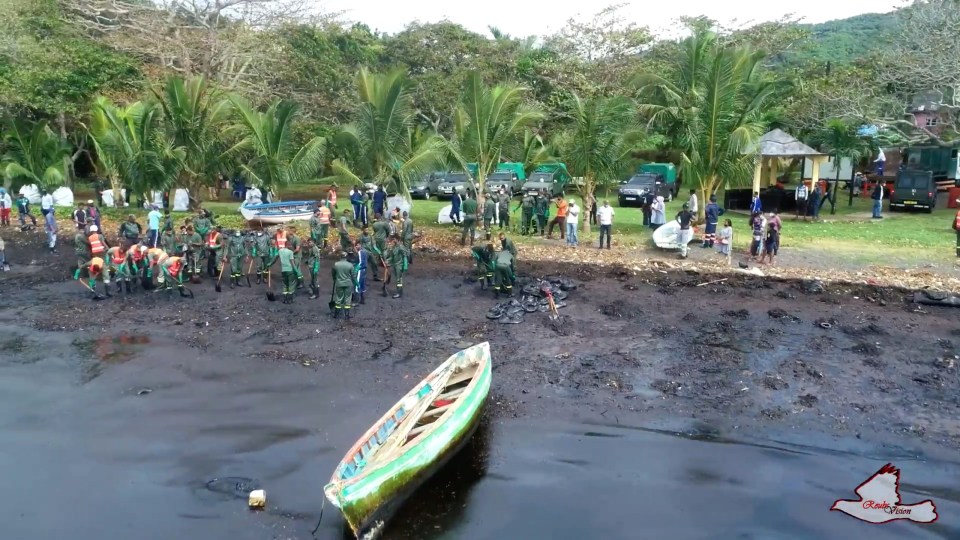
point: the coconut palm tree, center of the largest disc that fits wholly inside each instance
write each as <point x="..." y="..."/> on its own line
<point x="274" y="160"/>
<point x="530" y="150"/>
<point x="485" y="122"/>
<point x="604" y="132"/>
<point x="712" y="108"/>
<point x="383" y="142"/>
<point x="34" y="155"/>
<point x="839" y="140"/>
<point x="195" y="115"/>
<point x="132" y="149"/>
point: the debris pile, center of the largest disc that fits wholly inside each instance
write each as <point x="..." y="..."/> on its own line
<point x="535" y="297"/>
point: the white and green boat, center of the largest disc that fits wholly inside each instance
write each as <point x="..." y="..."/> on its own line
<point x="411" y="441"/>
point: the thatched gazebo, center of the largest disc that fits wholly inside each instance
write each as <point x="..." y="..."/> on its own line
<point x="776" y="145"/>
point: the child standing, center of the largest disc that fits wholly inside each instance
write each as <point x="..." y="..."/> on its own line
<point x="756" y="246"/>
<point x="726" y="238"/>
<point x="771" y="244"/>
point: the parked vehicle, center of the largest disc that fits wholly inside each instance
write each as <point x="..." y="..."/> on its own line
<point x="632" y="190"/>
<point x="509" y="176"/>
<point x="668" y="172"/>
<point x="428" y="185"/>
<point x="455" y="181"/>
<point x="913" y="188"/>
<point x="552" y="177"/>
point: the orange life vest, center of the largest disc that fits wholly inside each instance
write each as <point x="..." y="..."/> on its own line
<point x="281" y="239"/>
<point x="96" y="246"/>
<point x="117" y="256"/>
<point x="135" y="253"/>
<point x="96" y="265"/>
<point x="156" y="255"/>
<point x="332" y="197"/>
<point x="324" y="217"/>
<point x="212" y="239"/>
<point x="174" y="266"/>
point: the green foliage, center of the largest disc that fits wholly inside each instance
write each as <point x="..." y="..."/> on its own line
<point x="34" y="155"/>
<point x="845" y="41"/>
<point x="274" y="161"/>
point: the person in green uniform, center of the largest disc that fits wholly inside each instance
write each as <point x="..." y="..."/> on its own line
<point x="489" y="209"/>
<point x="202" y="225"/>
<point x="469" y="220"/>
<point x="343" y="227"/>
<point x="215" y="254"/>
<point x="194" y="250"/>
<point x="397" y="257"/>
<point x="315" y="226"/>
<point x="130" y="231"/>
<point x="507" y="245"/>
<point x="503" y="275"/>
<point x="261" y="253"/>
<point x="167" y="221"/>
<point x="81" y="247"/>
<point x="311" y="257"/>
<point x="542" y="210"/>
<point x="381" y="229"/>
<point x="168" y="241"/>
<point x="365" y="239"/>
<point x="344" y="283"/>
<point x="235" y="252"/>
<point x="293" y="242"/>
<point x="503" y="202"/>
<point x="285" y="254"/>
<point x="408" y="236"/>
<point x="526" y="216"/>
<point x="483" y="255"/>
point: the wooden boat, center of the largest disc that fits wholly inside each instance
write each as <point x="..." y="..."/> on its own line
<point x="411" y="441"/>
<point x="280" y="212"/>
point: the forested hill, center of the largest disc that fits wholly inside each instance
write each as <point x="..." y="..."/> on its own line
<point x="845" y="40"/>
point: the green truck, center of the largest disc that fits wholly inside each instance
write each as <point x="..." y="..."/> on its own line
<point x="552" y="177"/>
<point x="507" y="176"/>
<point x="668" y="174"/>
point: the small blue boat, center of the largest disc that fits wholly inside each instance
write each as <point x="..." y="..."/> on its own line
<point x="280" y="212"/>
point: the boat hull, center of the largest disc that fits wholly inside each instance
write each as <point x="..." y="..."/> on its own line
<point x="275" y="213"/>
<point x="367" y="502"/>
<point x="667" y="236"/>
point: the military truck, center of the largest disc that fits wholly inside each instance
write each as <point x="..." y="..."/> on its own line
<point x="668" y="174"/>
<point x="508" y="176"/>
<point x="552" y="177"/>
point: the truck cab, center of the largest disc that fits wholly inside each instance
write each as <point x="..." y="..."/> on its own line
<point x="668" y="172"/>
<point x="913" y="188"/>
<point x="552" y="177"/>
<point x="508" y="176"/>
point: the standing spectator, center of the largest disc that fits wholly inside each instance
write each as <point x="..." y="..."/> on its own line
<point x="658" y="214"/>
<point x="725" y="238"/>
<point x="560" y="220"/>
<point x="755" y="205"/>
<point x="712" y="213"/>
<point x="774" y="219"/>
<point x="771" y="243"/>
<point x="80" y="218"/>
<point x="50" y="222"/>
<point x="356" y="197"/>
<point x="23" y="211"/>
<point x="692" y="202"/>
<point x="253" y="196"/>
<point x="541" y="209"/>
<point x="93" y="214"/>
<point x="455" y="203"/>
<point x="813" y="205"/>
<point x="167" y="220"/>
<point x="605" y="218"/>
<point x="130" y="232"/>
<point x="800" y="195"/>
<point x="153" y="226"/>
<point x="880" y="161"/>
<point x="573" y="219"/>
<point x="684" y="217"/>
<point x="756" y="246"/>
<point x="646" y="201"/>
<point x="46" y="202"/>
<point x="379" y="201"/>
<point x="332" y="196"/>
<point x="593" y="212"/>
<point x="6" y="203"/>
<point x="877" y="197"/>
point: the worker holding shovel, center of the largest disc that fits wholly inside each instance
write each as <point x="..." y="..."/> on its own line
<point x="95" y="268"/>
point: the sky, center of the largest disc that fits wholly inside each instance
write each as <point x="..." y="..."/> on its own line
<point x="521" y="18"/>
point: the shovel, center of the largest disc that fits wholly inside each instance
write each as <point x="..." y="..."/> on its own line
<point x="554" y="314"/>
<point x="270" y="296"/>
<point x="223" y="266"/>
<point x="96" y="295"/>
<point x="249" y="269"/>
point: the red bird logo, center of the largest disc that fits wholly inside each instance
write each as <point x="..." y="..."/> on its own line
<point x="879" y="501"/>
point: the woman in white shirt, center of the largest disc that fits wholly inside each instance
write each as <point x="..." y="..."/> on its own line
<point x="658" y="216"/>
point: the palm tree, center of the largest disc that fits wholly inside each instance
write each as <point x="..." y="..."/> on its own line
<point x="712" y="108"/>
<point x="266" y="136"/>
<point x="604" y="132"/>
<point x="195" y="116"/>
<point x="132" y="149"/>
<point x="485" y="122"/>
<point x="34" y="155"/>
<point x="839" y="140"/>
<point x="531" y="151"/>
<point x="384" y="142"/>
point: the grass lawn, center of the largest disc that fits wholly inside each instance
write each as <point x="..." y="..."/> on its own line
<point x="850" y="235"/>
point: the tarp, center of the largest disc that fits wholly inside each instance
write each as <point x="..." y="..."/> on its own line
<point x="62" y="196"/>
<point x="107" y="196"/>
<point x="32" y="193"/>
<point x="443" y="217"/>
<point x="156" y="198"/>
<point x="181" y="200"/>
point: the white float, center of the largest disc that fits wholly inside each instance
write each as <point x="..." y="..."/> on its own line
<point x="107" y="197"/>
<point x="181" y="200"/>
<point x="62" y="196"/>
<point x="31" y="193"/>
<point x="398" y="201"/>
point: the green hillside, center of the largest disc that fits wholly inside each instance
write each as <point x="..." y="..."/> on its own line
<point x="846" y="40"/>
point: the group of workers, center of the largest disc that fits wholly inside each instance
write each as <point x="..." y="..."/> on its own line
<point x="534" y="216"/>
<point x="496" y="268"/>
<point x="202" y="246"/>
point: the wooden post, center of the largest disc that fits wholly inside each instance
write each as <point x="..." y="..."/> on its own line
<point x="757" y="173"/>
<point x="773" y="172"/>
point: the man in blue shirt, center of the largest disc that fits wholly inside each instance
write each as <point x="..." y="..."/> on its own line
<point x="379" y="201"/>
<point x="153" y="226"/>
<point x="713" y="212"/>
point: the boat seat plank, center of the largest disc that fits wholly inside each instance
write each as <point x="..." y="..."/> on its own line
<point x="452" y="394"/>
<point x="437" y="411"/>
<point x="462" y="376"/>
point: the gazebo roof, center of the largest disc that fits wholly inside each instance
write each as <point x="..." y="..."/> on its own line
<point x="778" y="143"/>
